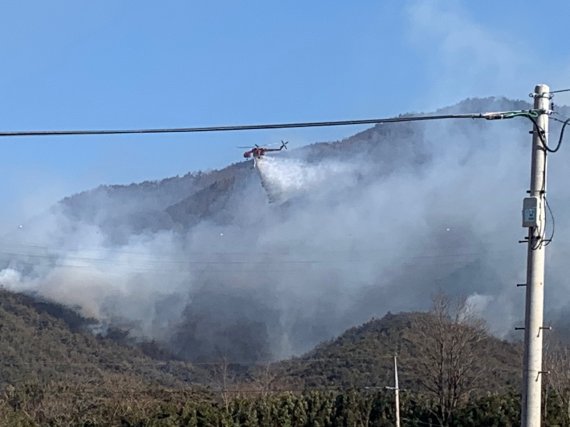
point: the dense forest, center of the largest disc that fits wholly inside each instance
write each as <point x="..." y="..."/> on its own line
<point x="57" y="370"/>
<point x="60" y="405"/>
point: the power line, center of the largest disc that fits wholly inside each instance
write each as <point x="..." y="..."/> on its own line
<point x="294" y="266"/>
<point x="541" y="133"/>
<point x="549" y="240"/>
<point x="555" y="119"/>
<point x="356" y="257"/>
<point x="283" y="253"/>
<point x="564" y="124"/>
<point x="559" y="91"/>
<point x="235" y="128"/>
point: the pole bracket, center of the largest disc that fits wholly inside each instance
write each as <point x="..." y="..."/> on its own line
<point x="543" y="328"/>
<point x="547" y="95"/>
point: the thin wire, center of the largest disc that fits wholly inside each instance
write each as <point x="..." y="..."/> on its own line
<point x="549" y="240"/>
<point x="540" y="132"/>
<point x="555" y="119"/>
<point x="559" y="91"/>
<point x="565" y="123"/>
<point x="486" y="116"/>
<point x="144" y="255"/>
<point x="179" y="261"/>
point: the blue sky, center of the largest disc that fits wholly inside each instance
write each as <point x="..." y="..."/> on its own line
<point x="134" y="64"/>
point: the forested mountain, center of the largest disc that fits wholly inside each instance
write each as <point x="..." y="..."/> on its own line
<point x="154" y="205"/>
<point x="121" y="211"/>
<point x="47" y="342"/>
<point x="58" y="371"/>
<point x="362" y="357"/>
<point x="311" y="242"/>
<point x="44" y="342"/>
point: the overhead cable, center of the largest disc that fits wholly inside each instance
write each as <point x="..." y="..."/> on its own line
<point x="549" y="240"/>
<point x="559" y="91"/>
<point x="555" y="119"/>
<point x="235" y="128"/>
<point x="554" y="150"/>
<point x="541" y="134"/>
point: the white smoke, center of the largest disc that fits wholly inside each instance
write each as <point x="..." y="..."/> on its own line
<point x="348" y="238"/>
<point x="284" y="178"/>
<point x="11" y="279"/>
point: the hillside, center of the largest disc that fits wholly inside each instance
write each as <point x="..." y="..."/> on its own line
<point x="56" y="371"/>
<point x="121" y="210"/>
<point x="124" y="210"/>
<point x="362" y="357"/>
<point x="141" y="206"/>
<point x="45" y="342"/>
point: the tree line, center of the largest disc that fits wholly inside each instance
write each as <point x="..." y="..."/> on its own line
<point x="58" y="405"/>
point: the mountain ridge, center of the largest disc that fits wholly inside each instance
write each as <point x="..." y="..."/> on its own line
<point x="358" y="227"/>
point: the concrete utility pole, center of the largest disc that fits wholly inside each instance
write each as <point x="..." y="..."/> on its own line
<point x="396" y="389"/>
<point x="534" y="217"/>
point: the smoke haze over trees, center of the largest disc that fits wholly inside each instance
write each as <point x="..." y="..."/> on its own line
<point x="209" y="267"/>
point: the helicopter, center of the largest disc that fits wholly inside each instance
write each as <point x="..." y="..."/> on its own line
<point x="257" y="152"/>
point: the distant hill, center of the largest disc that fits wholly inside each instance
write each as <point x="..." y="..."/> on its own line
<point x="54" y="372"/>
<point x="124" y="210"/>
<point x="45" y="342"/>
<point x="362" y="357"/>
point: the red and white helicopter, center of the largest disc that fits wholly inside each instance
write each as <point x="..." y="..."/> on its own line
<point x="258" y="152"/>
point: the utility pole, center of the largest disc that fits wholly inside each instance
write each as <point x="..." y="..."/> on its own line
<point x="534" y="217"/>
<point x="396" y="389"/>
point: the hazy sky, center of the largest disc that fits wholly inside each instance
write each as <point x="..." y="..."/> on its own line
<point x="131" y="64"/>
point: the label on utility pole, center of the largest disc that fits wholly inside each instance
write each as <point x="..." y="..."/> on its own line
<point x="530" y="212"/>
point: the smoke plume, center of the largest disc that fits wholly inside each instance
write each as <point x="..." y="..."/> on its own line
<point x="257" y="264"/>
